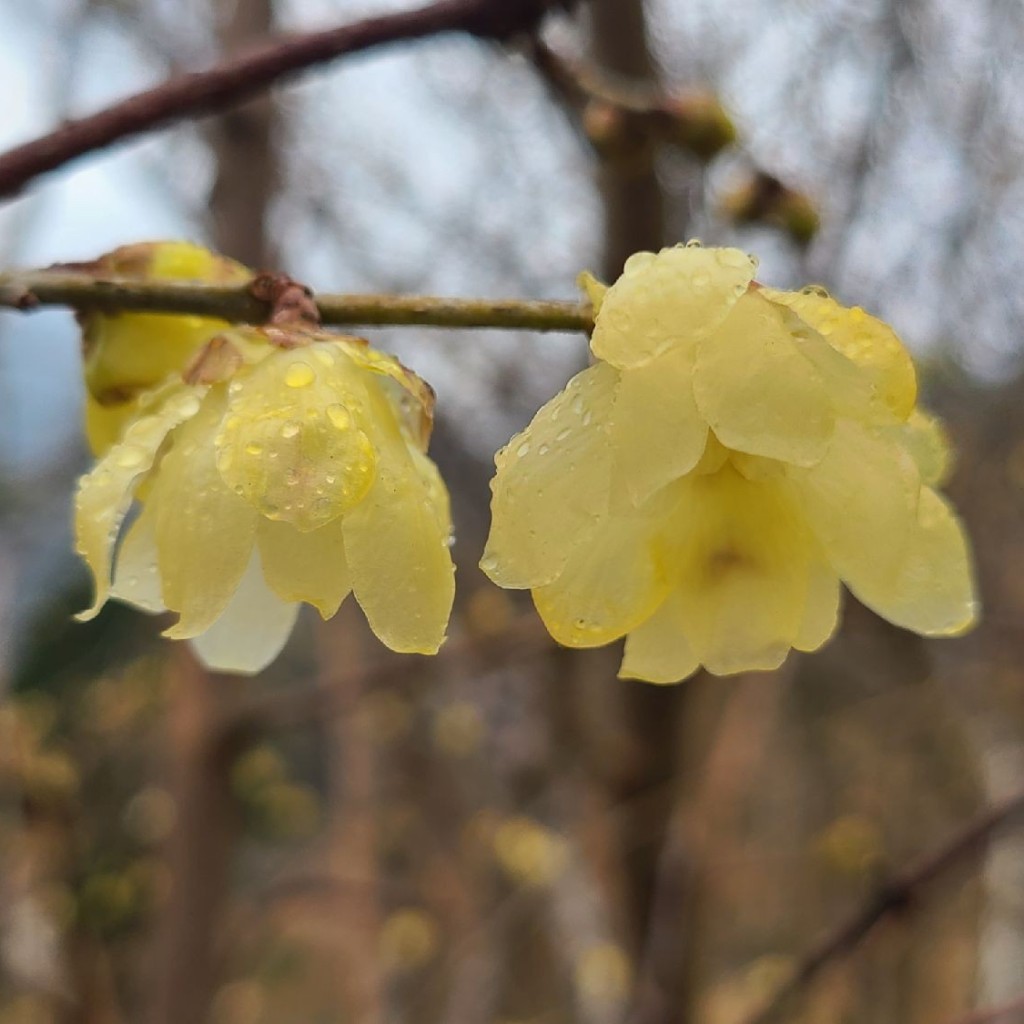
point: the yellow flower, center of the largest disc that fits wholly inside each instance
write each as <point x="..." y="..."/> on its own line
<point x="125" y="354"/>
<point x="293" y="471"/>
<point x="734" y="454"/>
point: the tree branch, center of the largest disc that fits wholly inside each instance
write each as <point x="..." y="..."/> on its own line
<point x="241" y="77"/>
<point x="899" y="894"/>
<point x="30" y="289"/>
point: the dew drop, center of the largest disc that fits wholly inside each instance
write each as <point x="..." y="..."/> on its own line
<point x="523" y="449"/>
<point x="694" y="243"/>
<point x="339" y="417"/>
<point x="130" y="457"/>
<point x="234" y="387"/>
<point x="323" y="356"/>
<point x="732" y="258"/>
<point x="701" y="280"/>
<point x="587" y="417"/>
<point x="577" y="405"/>
<point x="815" y="289"/>
<point x="290" y="429"/>
<point x="254" y="449"/>
<point x="563" y="434"/>
<point x="186" y="405"/>
<point x="299" y="375"/>
<point x="489" y="564"/>
<point x="543" y="449"/>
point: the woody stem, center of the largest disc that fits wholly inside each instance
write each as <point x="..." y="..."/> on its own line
<point x="26" y="290"/>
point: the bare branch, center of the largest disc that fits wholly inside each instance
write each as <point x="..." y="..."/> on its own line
<point x="241" y="77"/>
<point x="900" y="894"/>
<point x="27" y="290"/>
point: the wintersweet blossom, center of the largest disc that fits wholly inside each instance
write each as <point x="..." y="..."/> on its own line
<point x="125" y="354"/>
<point x="733" y="455"/>
<point x="287" y="466"/>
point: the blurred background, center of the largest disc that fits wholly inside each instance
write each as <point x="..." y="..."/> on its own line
<point x="507" y="833"/>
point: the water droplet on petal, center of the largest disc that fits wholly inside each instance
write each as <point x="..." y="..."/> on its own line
<point x="299" y="375"/>
<point x="815" y="289"/>
<point x="563" y="434"/>
<point x="577" y="405"/>
<point x="290" y="429"/>
<point x="339" y="417"/>
<point x="523" y="449"/>
<point x="701" y="280"/>
<point x="694" y="243"/>
<point x="130" y="457"/>
<point x="543" y="449"/>
<point x="254" y="449"/>
<point x="323" y="355"/>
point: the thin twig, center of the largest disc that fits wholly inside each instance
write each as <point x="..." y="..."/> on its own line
<point x="899" y="894"/>
<point x="31" y="289"/>
<point x="241" y="77"/>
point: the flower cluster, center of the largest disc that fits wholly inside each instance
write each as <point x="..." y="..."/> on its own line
<point x="732" y="456"/>
<point x="276" y="466"/>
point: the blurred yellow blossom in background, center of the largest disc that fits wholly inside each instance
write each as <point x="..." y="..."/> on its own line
<point x="733" y="455"/>
<point x="284" y="465"/>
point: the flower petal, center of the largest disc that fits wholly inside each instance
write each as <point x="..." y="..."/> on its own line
<point x="613" y="582"/>
<point x="924" y="437"/>
<point x="204" y="531"/>
<point x="657" y="651"/>
<point x="865" y="340"/>
<point x="294" y="441"/>
<point x="105" y="495"/>
<point x="552" y="483"/>
<point x="861" y="503"/>
<point x="757" y="392"/>
<point x="396" y="543"/>
<point x="137" y="572"/>
<point x="666" y="300"/>
<point x="307" y="567"/>
<point x="933" y="592"/>
<point x="821" y="609"/>
<point x="656" y="432"/>
<point x="251" y="631"/>
<point x="743" y="571"/>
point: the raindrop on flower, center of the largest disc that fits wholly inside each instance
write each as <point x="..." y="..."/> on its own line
<point x="299" y="375"/>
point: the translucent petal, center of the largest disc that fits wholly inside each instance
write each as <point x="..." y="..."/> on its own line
<point x="396" y="543"/>
<point x="864" y="339"/>
<point x="924" y="437"/>
<point x="821" y="609"/>
<point x="744" y="561"/>
<point x="657" y="651"/>
<point x="105" y="495"/>
<point x="611" y="583"/>
<point x="307" y="567"/>
<point x="294" y="441"/>
<point x="594" y="289"/>
<point x="105" y="423"/>
<point x="861" y="502"/>
<point x="933" y="591"/>
<point x="204" y="531"/>
<point x="656" y="433"/>
<point x="757" y="392"/>
<point x="251" y="631"/>
<point x="672" y="299"/>
<point x="137" y="571"/>
<point x="552" y="483"/>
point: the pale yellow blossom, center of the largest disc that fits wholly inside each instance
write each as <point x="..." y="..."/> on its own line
<point x="294" y="471"/>
<point x="735" y="453"/>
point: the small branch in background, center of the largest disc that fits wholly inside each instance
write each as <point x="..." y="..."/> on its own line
<point x="31" y="289"/>
<point x="899" y="895"/>
<point x="624" y="122"/>
<point x="242" y="77"/>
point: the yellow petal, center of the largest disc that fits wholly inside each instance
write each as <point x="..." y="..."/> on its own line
<point x="594" y="289"/>
<point x="294" y="441"/>
<point x="137" y="570"/>
<point x="933" y="591"/>
<point x="105" y="423"/>
<point x="307" y="567"/>
<point x="757" y="392"/>
<point x="611" y="583"/>
<point x="821" y="608"/>
<point x="396" y="543"/>
<point x="744" y="561"/>
<point x="656" y="433"/>
<point x="861" y="502"/>
<point x="924" y="437"/>
<point x="251" y="631"/>
<point x="552" y="483"/>
<point x="105" y="495"/>
<point x="204" y="531"/>
<point x="669" y="300"/>
<point x="657" y="651"/>
<point x="864" y="339"/>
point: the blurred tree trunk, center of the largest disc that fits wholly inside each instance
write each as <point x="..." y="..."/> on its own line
<point x="201" y="849"/>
